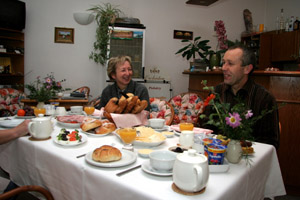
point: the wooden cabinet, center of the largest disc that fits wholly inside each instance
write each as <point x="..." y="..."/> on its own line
<point x="274" y="49"/>
<point x="12" y="55"/>
<point x="284" y="85"/>
<point x="285" y="46"/>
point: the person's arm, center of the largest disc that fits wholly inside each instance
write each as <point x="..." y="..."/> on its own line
<point x="11" y="134"/>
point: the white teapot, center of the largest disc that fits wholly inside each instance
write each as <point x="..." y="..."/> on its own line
<point x="190" y="171"/>
<point x="40" y="127"/>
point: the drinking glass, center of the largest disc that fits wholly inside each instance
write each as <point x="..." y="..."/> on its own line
<point x="38" y="111"/>
<point x="89" y="110"/>
<point x="183" y="126"/>
<point x="127" y="135"/>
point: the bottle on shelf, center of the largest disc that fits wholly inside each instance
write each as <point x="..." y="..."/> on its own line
<point x="277" y="24"/>
<point x="291" y="23"/>
<point x="281" y="22"/>
<point x="287" y="25"/>
<point x="296" y="24"/>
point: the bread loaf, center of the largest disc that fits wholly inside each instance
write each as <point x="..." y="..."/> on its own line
<point x="107" y="127"/>
<point x="106" y="153"/>
<point x="90" y="123"/>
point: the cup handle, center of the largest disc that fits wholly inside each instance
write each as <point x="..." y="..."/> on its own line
<point x="199" y="177"/>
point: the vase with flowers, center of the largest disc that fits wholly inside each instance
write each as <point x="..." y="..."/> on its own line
<point x="215" y="56"/>
<point x="234" y="122"/>
<point x="42" y="90"/>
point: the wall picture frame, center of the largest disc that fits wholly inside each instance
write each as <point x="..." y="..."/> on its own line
<point x="64" y="35"/>
<point x="178" y="34"/>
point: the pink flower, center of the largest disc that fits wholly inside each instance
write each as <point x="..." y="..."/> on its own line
<point x="221" y="33"/>
<point x="48" y="80"/>
<point x="234" y="120"/>
<point x="249" y="114"/>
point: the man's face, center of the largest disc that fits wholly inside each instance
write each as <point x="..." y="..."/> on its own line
<point x="123" y="75"/>
<point x="234" y="73"/>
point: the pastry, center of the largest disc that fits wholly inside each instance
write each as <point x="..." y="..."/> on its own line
<point x="106" y="153"/>
<point x="121" y="105"/>
<point x="141" y="105"/>
<point x="108" y="116"/>
<point x="107" y="127"/>
<point x="90" y="123"/>
<point x="131" y="103"/>
<point x="112" y="105"/>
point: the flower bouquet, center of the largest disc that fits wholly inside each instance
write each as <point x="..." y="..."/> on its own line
<point x="45" y="89"/>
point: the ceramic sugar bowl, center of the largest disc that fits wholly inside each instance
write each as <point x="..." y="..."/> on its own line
<point x="190" y="171"/>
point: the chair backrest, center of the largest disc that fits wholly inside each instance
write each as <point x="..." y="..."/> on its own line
<point x="10" y="99"/>
<point x="95" y="102"/>
<point x="27" y="188"/>
<point x="161" y="109"/>
<point x="85" y="90"/>
<point x="187" y="107"/>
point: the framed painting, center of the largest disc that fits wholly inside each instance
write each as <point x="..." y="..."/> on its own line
<point x="64" y="35"/>
<point x="183" y="35"/>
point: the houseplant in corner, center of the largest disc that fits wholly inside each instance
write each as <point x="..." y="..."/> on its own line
<point x="196" y="47"/>
<point x="105" y="16"/>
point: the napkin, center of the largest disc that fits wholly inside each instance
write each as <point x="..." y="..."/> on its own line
<point x="129" y="120"/>
<point x="196" y="129"/>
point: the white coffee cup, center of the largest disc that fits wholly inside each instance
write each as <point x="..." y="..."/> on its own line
<point x="40" y="127"/>
<point x="76" y="109"/>
<point x="60" y="111"/>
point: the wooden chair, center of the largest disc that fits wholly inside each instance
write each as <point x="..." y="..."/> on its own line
<point x="161" y="109"/>
<point x="27" y="188"/>
<point x="95" y="102"/>
<point x="187" y="107"/>
<point x="10" y="101"/>
<point x="84" y="89"/>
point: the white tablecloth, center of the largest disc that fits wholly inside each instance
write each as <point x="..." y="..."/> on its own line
<point x="56" y="167"/>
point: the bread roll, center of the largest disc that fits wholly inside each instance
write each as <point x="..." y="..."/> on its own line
<point x="131" y="104"/>
<point x="112" y="105"/>
<point x="121" y="105"/>
<point x="107" y="127"/>
<point x="89" y="124"/>
<point x="106" y="153"/>
<point x="139" y="107"/>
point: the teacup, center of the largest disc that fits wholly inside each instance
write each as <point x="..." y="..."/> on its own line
<point x="76" y="109"/>
<point x="156" y="123"/>
<point x="40" y="127"/>
<point x="60" y="111"/>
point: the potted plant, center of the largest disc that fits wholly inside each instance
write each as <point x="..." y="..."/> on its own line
<point x="196" y="47"/>
<point x="105" y="16"/>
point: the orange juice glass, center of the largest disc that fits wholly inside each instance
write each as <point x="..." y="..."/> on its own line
<point x="89" y="110"/>
<point x="186" y="126"/>
<point x="38" y="111"/>
<point x="127" y="135"/>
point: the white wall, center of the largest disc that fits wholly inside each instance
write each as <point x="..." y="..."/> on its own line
<point x="160" y="17"/>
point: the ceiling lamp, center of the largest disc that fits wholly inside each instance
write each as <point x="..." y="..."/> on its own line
<point x="83" y="18"/>
<point x="201" y="2"/>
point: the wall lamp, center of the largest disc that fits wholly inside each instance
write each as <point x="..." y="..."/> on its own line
<point x="83" y="18"/>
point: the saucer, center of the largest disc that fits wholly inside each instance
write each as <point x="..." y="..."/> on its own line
<point x="146" y="167"/>
<point x="162" y="129"/>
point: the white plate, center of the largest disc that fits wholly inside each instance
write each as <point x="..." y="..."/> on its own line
<point x="69" y="125"/>
<point x="219" y="168"/>
<point x="147" y="168"/>
<point x="128" y="157"/>
<point x="83" y="140"/>
<point x="24" y="117"/>
<point x="10" y="123"/>
<point x="162" y="129"/>
<point x="94" y="134"/>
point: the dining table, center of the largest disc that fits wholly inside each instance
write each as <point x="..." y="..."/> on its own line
<point x="57" y="168"/>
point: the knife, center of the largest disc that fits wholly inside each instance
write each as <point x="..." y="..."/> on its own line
<point x="128" y="170"/>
